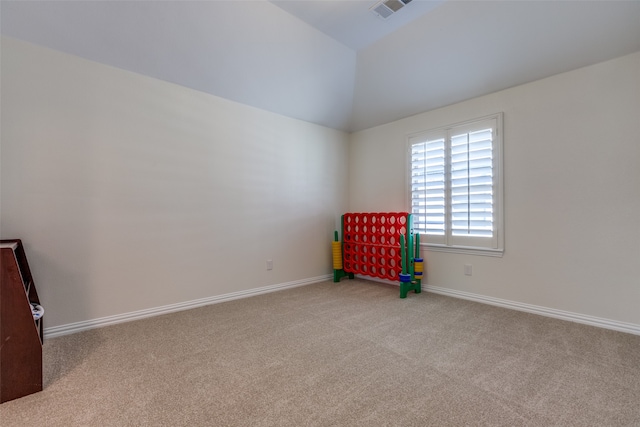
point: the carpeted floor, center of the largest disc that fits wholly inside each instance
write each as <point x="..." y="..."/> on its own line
<point x="347" y="354"/>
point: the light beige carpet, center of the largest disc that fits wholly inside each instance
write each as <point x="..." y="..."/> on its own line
<point x="347" y="354"/>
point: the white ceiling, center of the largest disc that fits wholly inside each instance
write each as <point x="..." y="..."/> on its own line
<point x="352" y="22"/>
<point x="333" y="62"/>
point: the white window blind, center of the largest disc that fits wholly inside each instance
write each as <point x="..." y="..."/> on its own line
<point x="456" y="186"/>
<point x="471" y="183"/>
<point x="428" y="186"/>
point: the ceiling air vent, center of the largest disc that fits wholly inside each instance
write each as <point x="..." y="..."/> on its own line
<point x="386" y="8"/>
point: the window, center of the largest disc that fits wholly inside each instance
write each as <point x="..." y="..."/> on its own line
<point x="456" y="186"/>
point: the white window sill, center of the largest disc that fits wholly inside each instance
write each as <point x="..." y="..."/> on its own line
<point x="469" y="250"/>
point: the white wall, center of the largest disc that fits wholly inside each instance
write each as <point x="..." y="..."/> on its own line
<point x="572" y="191"/>
<point x="131" y="193"/>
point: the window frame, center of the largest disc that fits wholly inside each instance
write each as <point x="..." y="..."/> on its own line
<point x="489" y="246"/>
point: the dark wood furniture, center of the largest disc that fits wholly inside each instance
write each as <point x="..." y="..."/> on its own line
<point x="21" y="335"/>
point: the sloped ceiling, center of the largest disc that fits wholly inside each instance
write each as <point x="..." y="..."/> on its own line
<point x="466" y="49"/>
<point x="351" y="21"/>
<point x="332" y="62"/>
<point x="246" y="51"/>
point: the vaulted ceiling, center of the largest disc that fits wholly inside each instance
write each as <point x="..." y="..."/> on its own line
<point x="332" y="62"/>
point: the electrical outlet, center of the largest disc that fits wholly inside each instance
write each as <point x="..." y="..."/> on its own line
<point x="269" y="264"/>
<point x="468" y="270"/>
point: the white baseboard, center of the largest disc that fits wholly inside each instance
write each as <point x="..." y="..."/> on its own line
<point x="72" y="328"/>
<point x="615" y="325"/>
